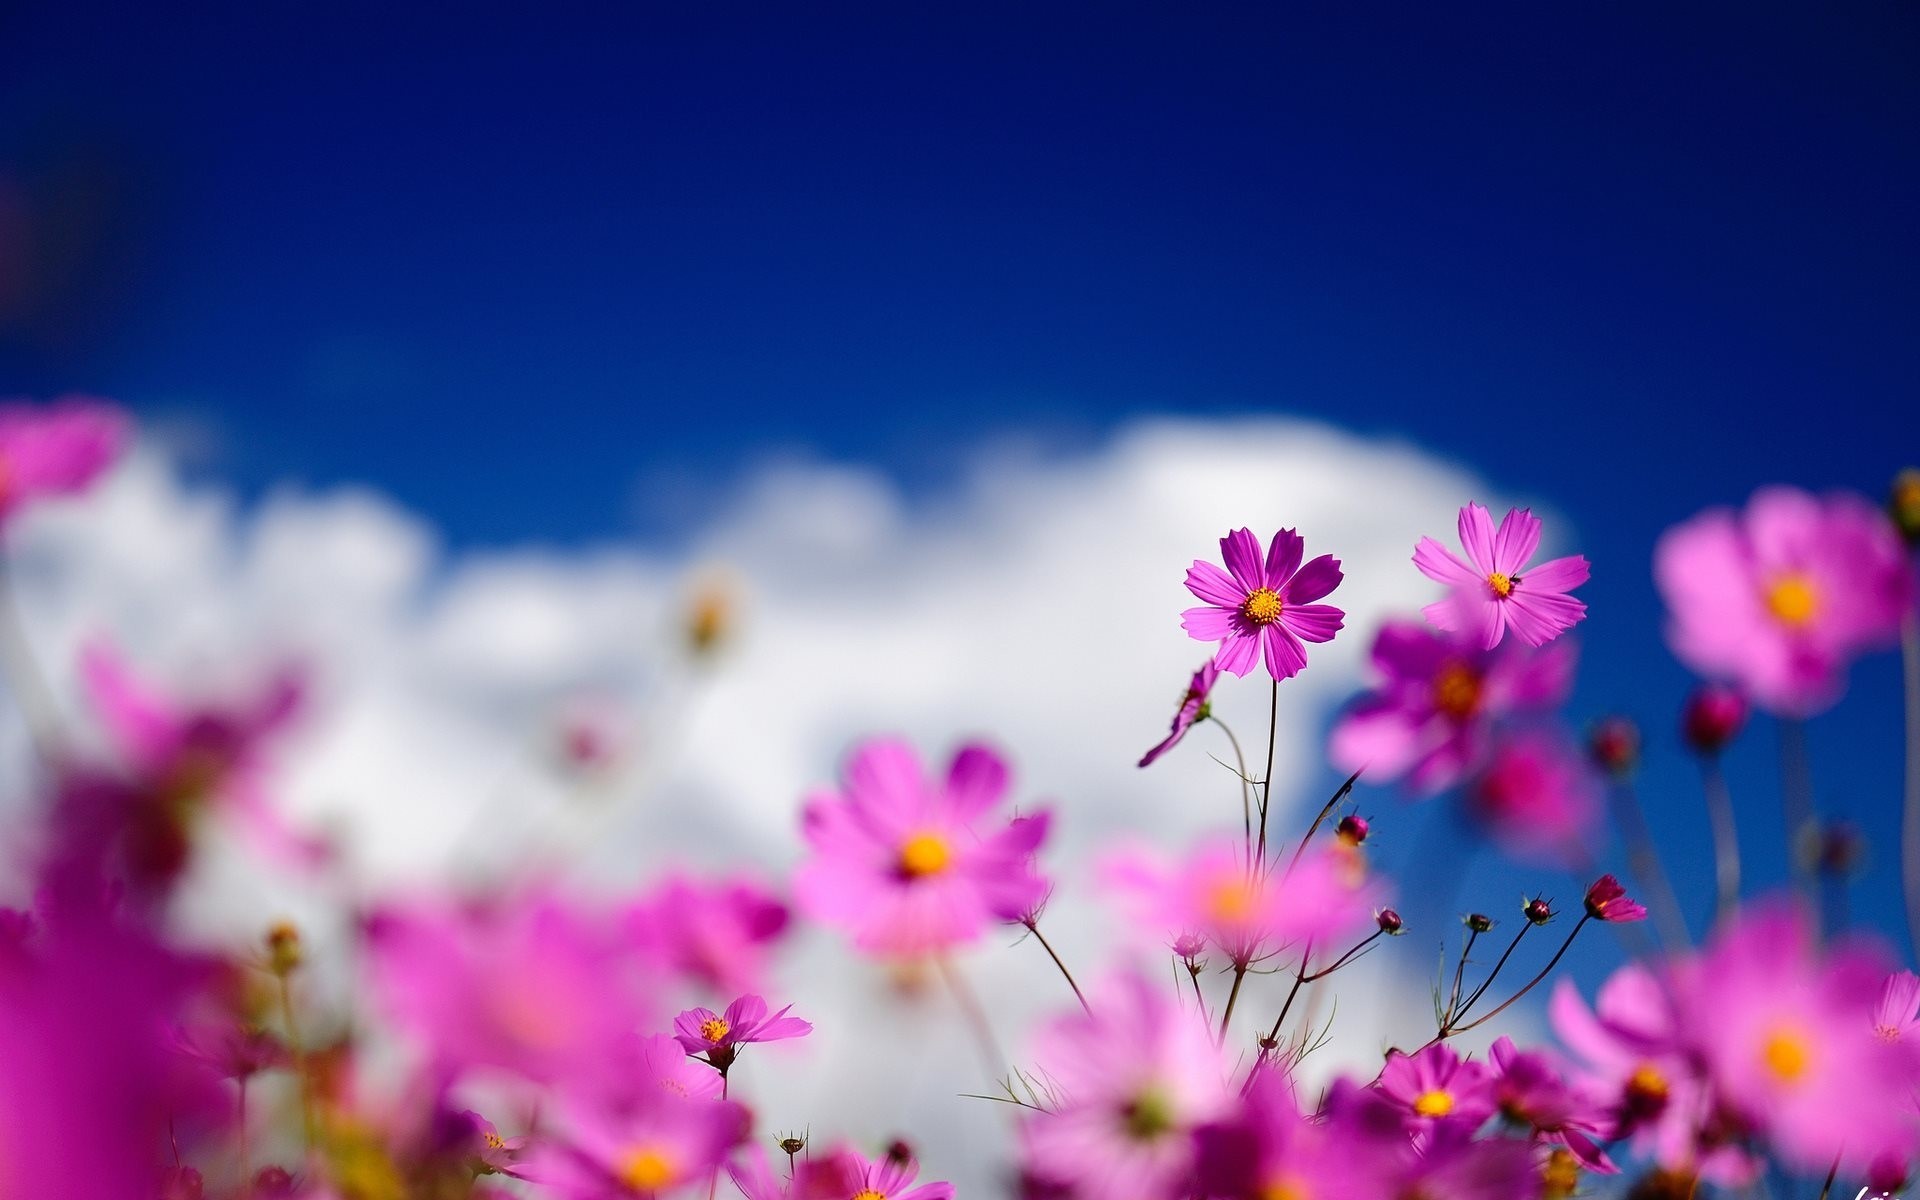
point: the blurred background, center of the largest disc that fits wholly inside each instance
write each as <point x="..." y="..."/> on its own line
<point x="477" y="352"/>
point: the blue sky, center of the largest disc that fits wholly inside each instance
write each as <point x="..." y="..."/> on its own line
<point x="558" y="274"/>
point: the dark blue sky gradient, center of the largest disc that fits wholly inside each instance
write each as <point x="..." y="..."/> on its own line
<point x="557" y="271"/>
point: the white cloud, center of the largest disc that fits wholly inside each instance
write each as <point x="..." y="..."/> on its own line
<point x="1036" y="604"/>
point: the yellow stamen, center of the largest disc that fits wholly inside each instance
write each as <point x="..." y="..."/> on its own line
<point x="869" y="1194"/>
<point x="646" y="1169"/>
<point x="1646" y="1083"/>
<point x="1287" y="1187"/>
<point x="925" y="854"/>
<point x="1792" y="600"/>
<point x="714" y="1028"/>
<point x="1456" y="690"/>
<point x="1232" y="900"/>
<point x="1262" y="606"/>
<point x="1502" y="585"/>
<point x="495" y="1141"/>
<point x="1787" y="1054"/>
<point x="1436" y="1103"/>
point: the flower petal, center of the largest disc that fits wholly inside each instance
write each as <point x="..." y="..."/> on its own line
<point x="1476" y="537"/>
<point x="1213" y="585"/>
<point x="1238" y="653"/>
<point x="1285" y="655"/>
<point x="1439" y="564"/>
<point x="1240" y="550"/>
<point x="1314" y="580"/>
<point x="1313" y="622"/>
<point x="1283" y="557"/>
<point x="1557" y="575"/>
<point x="1210" y="624"/>
<point x="1518" y="538"/>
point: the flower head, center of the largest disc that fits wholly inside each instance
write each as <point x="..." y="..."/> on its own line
<point x="1500" y="590"/>
<point x="720" y="1036"/>
<point x="842" y="1173"/>
<point x="1898" y="1014"/>
<point x="1536" y="796"/>
<point x="661" y="1146"/>
<point x="55" y="450"/>
<point x="1781" y="597"/>
<point x="1438" y="1085"/>
<point x="1607" y="901"/>
<point x="911" y="865"/>
<point x="1264" y="607"/>
<point x="715" y="933"/>
<point x="1193" y="709"/>
<point x="1713" y="716"/>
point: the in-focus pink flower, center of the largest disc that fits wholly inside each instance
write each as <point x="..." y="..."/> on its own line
<point x="1606" y="900"/>
<point x="913" y="866"/>
<point x="1780" y="598"/>
<point x="1135" y="1078"/>
<point x="720" y="1036"/>
<point x="1898" y="1014"/>
<point x="1258" y="606"/>
<point x="1536" y="797"/>
<point x="1438" y="1085"/>
<point x="1500" y="591"/>
<point x="1193" y="709"/>
<point x="1438" y="700"/>
<point x="718" y="934"/>
<point x="55" y="450"/>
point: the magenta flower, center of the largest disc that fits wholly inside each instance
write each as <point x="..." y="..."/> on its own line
<point x="1499" y="591"/>
<point x="1531" y="1088"/>
<point x="663" y="1064"/>
<point x="913" y="866"/>
<point x="1430" y="716"/>
<point x="1135" y="1078"/>
<point x="1193" y="709"/>
<point x="55" y="450"/>
<point x="1779" y="599"/>
<point x="1268" y="1148"/>
<point x="663" y="1146"/>
<point x="491" y="1153"/>
<point x="1438" y="1085"/>
<point x="1898" y="1013"/>
<point x="1607" y="901"/>
<point x="719" y="1037"/>
<point x="845" y="1174"/>
<point x="1536" y="797"/>
<point x="718" y="934"/>
<point x="1254" y="607"/>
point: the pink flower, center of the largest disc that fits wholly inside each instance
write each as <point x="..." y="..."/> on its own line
<point x="1898" y="1013"/>
<point x="1536" y="796"/>
<point x="1268" y="1148"/>
<point x="717" y="934"/>
<point x="1193" y="709"/>
<point x="908" y="865"/>
<point x="1135" y="1078"/>
<point x="1438" y="1085"/>
<point x="1780" y="598"/>
<point x="1531" y="1088"/>
<point x="663" y="1064"/>
<point x="1500" y="591"/>
<point x="55" y="450"/>
<point x="1607" y="901"/>
<point x="664" y="1146"/>
<point x="491" y="1153"/>
<point x="1437" y="701"/>
<point x="703" y="1031"/>
<point x="1254" y="607"/>
<point x="845" y="1174"/>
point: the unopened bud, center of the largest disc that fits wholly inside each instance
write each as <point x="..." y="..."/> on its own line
<point x="283" y="948"/>
<point x="1614" y="745"/>
<point x="709" y="618"/>
<point x="792" y="1144"/>
<point x="1714" y="716"/>
<point x="1389" y="922"/>
<point x="1479" y="922"/>
<point x="273" y="1181"/>
<point x="1538" y="910"/>
<point x="1352" y="829"/>
<point x="899" y="1152"/>
<point x="1841" y="849"/>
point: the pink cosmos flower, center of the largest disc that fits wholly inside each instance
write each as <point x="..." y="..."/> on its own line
<point x="665" y="1146"/>
<point x="1437" y="701"/>
<point x="1268" y="1148"/>
<point x="189" y="755"/>
<point x="718" y="934"/>
<point x="913" y="866"/>
<point x="663" y="1064"/>
<point x="703" y="1031"/>
<point x="1606" y="900"/>
<point x="1780" y="598"/>
<point x="1536" y="797"/>
<point x="1193" y="709"/>
<point x="1255" y="607"/>
<point x="55" y="450"/>
<point x="493" y="1154"/>
<point x="1437" y="1085"/>
<point x="1898" y="1013"/>
<point x="845" y="1174"/>
<point x="1532" y="1089"/>
<point x="1499" y="591"/>
<point x="1135" y="1078"/>
<point x="527" y="984"/>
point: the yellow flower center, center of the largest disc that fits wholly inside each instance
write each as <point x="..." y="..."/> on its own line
<point x="1285" y="1187"/>
<point x="1647" y="1083"/>
<point x="869" y="1194"/>
<point x="1787" y="1055"/>
<point x="495" y="1141"/>
<point x="1435" y="1103"/>
<point x="1149" y="1115"/>
<point x="714" y="1028"/>
<point x="1456" y="690"/>
<point x="646" y="1169"/>
<point x="925" y="854"/>
<point x="1792" y="599"/>
<point x="1262" y="606"/>
<point x="1233" y="899"/>
<point x="1502" y="585"/>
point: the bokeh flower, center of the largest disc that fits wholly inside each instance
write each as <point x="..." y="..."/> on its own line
<point x="1264" y="607"/>
<point x="56" y="449"/>
<point x="1536" y="797"/>
<point x="717" y="934"/>
<point x="1193" y="709"/>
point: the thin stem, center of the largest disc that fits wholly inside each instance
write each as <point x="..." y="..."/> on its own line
<point x="1266" y="781"/>
<point x="1033" y="927"/>
<point x="1246" y="785"/>
<point x="1531" y="983"/>
<point x="1198" y="998"/>
<point x="976" y="1017"/>
<point x="299" y="1058"/>
<point x="1233" y="996"/>
<point x="1299" y="978"/>
<point x="1344" y="959"/>
<point x="1459" y="969"/>
<point x="1910" y="825"/>
<point x="1726" y="841"/>
<point x="1796" y="795"/>
<point x="1826" y="1189"/>
<point x="1643" y="860"/>
<point x="1326" y="810"/>
<point x="246" y="1152"/>
<point x="1488" y="981"/>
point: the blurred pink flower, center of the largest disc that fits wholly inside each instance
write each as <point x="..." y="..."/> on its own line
<point x="1536" y="797"/>
<point x="1780" y="598"/>
<point x="1531" y="1088"/>
<point x="718" y="933"/>
<point x="1192" y="710"/>
<point x="1437" y="1085"/>
<point x="842" y="1173"/>
<point x="1898" y="1013"/>
<point x="1134" y="1078"/>
<point x="662" y="1146"/>
<point x="1256" y="607"/>
<point x="1437" y="701"/>
<point x="719" y="1037"/>
<point x="663" y="1064"/>
<point x="55" y="450"/>
<point x="1500" y="591"/>
<point x="1266" y="1148"/>
<point x="910" y="865"/>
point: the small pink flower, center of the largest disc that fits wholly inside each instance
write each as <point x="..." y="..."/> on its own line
<point x="493" y="1154"/>
<point x="910" y="865"/>
<point x="1536" y="796"/>
<point x="1898" y="1013"/>
<point x="1438" y="1085"/>
<point x="1256" y="607"/>
<point x="720" y="1036"/>
<point x="1608" y="901"/>
<point x="1193" y="709"/>
<point x="55" y="450"/>
<point x="1438" y="699"/>
<point x="1500" y="591"/>
<point x="1780" y="598"/>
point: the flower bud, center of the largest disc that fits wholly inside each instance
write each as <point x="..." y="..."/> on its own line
<point x="1389" y="922"/>
<point x="1713" y="717"/>
<point x="1538" y="910"/>
<point x="283" y="948"/>
<point x="1840" y="850"/>
<point x="273" y="1181"/>
<point x="1479" y="922"/>
<point x="1352" y="829"/>
<point x="1614" y="745"/>
<point x="792" y="1144"/>
<point x="899" y="1152"/>
<point x="1903" y="504"/>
